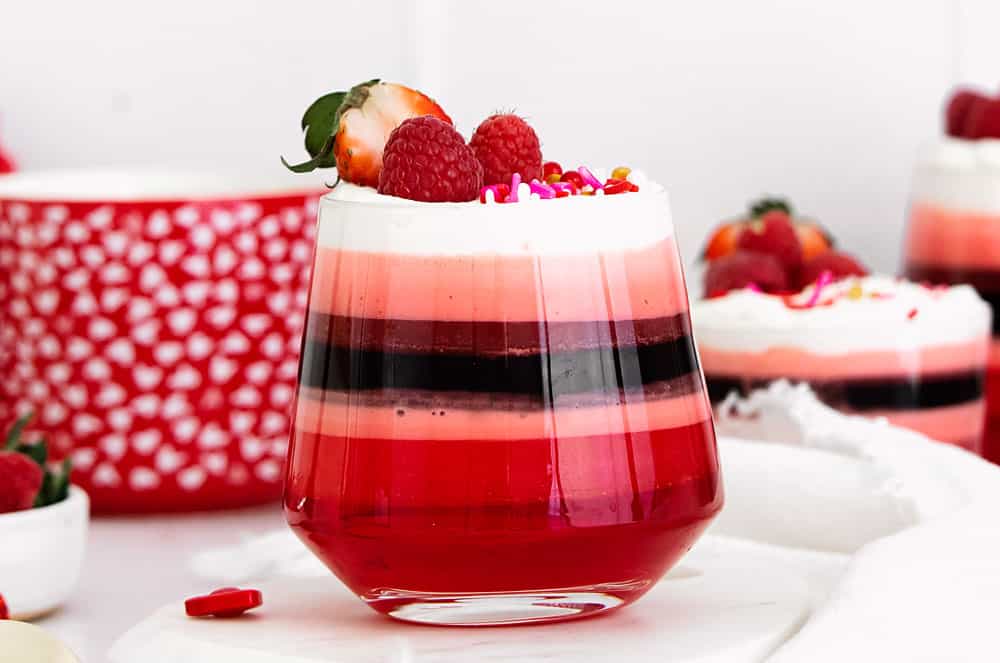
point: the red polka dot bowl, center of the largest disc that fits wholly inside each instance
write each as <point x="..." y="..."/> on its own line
<point x="152" y="322"/>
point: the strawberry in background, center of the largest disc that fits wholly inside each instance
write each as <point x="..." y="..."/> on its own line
<point x="6" y="162"/>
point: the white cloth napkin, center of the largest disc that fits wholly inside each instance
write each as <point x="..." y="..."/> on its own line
<point x="924" y="584"/>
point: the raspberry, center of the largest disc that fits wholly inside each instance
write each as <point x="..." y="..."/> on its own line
<point x="983" y="120"/>
<point x="20" y="481"/>
<point x="743" y="268"/>
<point x="774" y="234"/>
<point x="504" y="145"/>
<point x="426" y="159"/>
<point x="958" y="111"/>
<point x="840" y="265"/>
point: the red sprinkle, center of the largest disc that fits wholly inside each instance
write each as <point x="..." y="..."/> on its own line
<point x="912" y="314"/>
<point x="616" y="186"/>
<point x="551" y="168"/>
<point x="4" y="612"/>
<point x="225" y="602"/>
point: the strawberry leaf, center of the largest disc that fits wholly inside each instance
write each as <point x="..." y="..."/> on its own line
<point x="14" y="434"/>
<point x="55" y="485"/>
<point x="321" y="121"/>
<point x="37" y="452"/>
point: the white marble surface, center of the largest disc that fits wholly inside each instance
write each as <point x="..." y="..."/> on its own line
<point x="719" y="605"/>
<point x="134" y="565"/>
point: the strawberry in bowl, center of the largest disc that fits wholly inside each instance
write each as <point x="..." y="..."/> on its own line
<point x="43" y="524"/>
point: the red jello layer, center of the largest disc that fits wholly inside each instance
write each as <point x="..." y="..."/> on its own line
<point x="799" y="364"/>
<point x="617" y="285"/>
<point x="944" y="237"/>
<point x="480" y="515"/>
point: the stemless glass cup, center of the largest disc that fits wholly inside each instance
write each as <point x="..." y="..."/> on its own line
<point x="501" y="417"/>
<point x="953" y="237"/>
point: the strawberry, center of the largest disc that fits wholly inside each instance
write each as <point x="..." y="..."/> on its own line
<point x="744" y="268"/>
<point x="958" y="111"/>
<point x="4" y="610"/>
<point x="20" y="481"/>
<point x="983" y="120"/>
<point x="427" y="160"/>
<point x="723" y="240"/>
<point x="504" y="144"/>
<point x="25" y="479"/>
<point x="774" y="234"/>
<point x="840" y="265"/>
<point x="349" y="129"/>
<point x="813" y="238"/>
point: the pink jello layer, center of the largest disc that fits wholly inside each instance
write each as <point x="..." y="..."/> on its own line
<point x="961" y="425"/>
<point x="342" y="419"/>
<point x="938" y="236"/>
<point x="801" y="365"/>
<point x="621" y="285"/>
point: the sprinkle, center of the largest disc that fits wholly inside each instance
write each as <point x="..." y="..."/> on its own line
<point x="824" y="280"/>
<point x="515" y="182"/>
<point x="753" y="287"/>
<point x="856" y="292"/>
<point x="488" y="194"/>
<point x="588" y="178"/>
<point x="912" y="314"/>
<point x="542" y="189"/>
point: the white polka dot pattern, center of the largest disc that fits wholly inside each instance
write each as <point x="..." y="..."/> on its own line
<point x="157" y="343"/>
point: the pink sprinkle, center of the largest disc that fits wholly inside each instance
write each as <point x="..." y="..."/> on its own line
<point x="753" y="287"/>
<point x="489" y="187"/>
<point x="515" y="181"/>
<point x="912" y="314"/>
<point x="562" y="186"/>
<point x="543" y="190"/>
<point x="824" y="280"/>
<point x="588" y="178"/>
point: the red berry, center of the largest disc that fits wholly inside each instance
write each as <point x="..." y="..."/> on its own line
<point x="983" y="120"/>
<point x="551" y="168"/>
<point x="743" y="268"/>
<point x="572" y="177"/>
<point x="958" y="111"/>
<point x="774" y="234"/>
<point x="840" y="265"/>
<point x="20" y="481"/>
<point x="4" y="611"/>
<point x="504" y="145"/>
<point x="426" y="159"/>
<point x="7" y="164"/>
<point x="225" y="602"/>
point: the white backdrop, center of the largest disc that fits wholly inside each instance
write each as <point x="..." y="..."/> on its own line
<point x="722" y="101"/>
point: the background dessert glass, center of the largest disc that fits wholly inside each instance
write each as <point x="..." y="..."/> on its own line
<point x="876" y="346"/>
<point x="953" y="236"/>
<point x="501" y="416"/>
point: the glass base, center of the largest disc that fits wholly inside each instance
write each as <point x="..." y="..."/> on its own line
<point x="500" y="609"/>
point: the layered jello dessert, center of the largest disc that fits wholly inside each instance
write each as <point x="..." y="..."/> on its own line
<point x="501" y="416"/>
<point x="872" y="345"/>
<point x="953" y="234"/>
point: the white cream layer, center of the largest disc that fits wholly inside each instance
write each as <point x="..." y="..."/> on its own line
<point x="749" y="321"/>
<point x="959" y="174"/>
<point x="360" y="219"/>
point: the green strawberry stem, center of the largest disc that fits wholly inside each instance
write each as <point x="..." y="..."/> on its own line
<point x="55" y="482"/>
<point x="765" y="205"/>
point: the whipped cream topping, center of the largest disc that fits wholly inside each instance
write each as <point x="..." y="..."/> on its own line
<point x="361" y="219"/>
<point x="858" y="314"/>
<point x="959" y="174"/>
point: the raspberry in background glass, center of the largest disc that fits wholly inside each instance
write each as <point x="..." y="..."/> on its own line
<point x="496" y="424"/>
<point x="953" y="232"/>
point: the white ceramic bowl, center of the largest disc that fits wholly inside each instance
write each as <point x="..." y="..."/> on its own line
<point x="41" y="554"/>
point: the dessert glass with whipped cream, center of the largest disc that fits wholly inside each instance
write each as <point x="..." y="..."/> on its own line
<point x="501" y="416"/>
<point x="953" y="236"/>
<point x="874" y="345"/>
